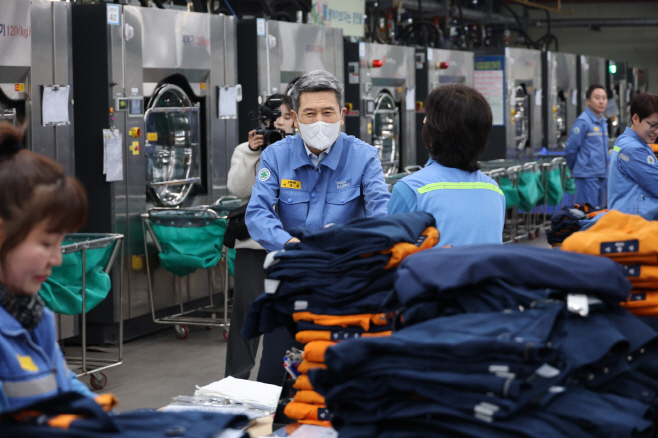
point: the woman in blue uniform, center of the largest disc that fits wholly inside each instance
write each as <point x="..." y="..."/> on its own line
<point x="38" y="204"/>
<point x="468" y="206"/>
<point x="633" y="181"/>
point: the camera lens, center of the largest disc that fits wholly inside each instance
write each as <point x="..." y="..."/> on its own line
<point x="273" y="136"/>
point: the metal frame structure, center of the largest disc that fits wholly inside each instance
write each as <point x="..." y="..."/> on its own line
<point x="184" y="317"/>
<point x="89" y="241"/>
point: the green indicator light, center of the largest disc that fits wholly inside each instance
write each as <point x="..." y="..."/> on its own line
<point x="613" y="68"/>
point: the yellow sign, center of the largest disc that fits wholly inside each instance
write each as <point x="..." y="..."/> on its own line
<point x="290" y="184"/>
<point x="27" y="363"/>
<point x="19" y="87"/>
<point x="135" y="148"/>
<point x="369" y="127"/>
<point x="202" y="86"/>
<point x="152" y="136"/>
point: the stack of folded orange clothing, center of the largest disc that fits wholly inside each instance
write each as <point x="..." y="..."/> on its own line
<point x="318" y="333"/>
<point x="631" y="241"/>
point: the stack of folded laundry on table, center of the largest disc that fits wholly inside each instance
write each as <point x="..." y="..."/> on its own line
<point x="499" y="340"/>
<point x="319" y="332"/>
<point x="632" y="242"/>
<point x="331" y="286"/>
<point x="570" y="220"/>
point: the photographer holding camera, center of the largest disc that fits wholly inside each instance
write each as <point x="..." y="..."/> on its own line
<point x="249" y="255"/>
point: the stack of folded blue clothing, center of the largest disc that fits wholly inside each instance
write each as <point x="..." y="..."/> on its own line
<point x="499" y="341"/>
<point x="569" y="220"/>
<point x="340" y="270"/>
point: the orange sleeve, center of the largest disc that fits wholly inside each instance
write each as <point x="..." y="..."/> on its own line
<point x="306" y="336"/>
<point x="311" y="397"/>
<point x="314" y="351"/>
<point x="430" y="237"/>
<point x="303" y="382"/>
<point x="361" y="320"/>
<point x="302" y="411"/>
<point x="307" y="365"/>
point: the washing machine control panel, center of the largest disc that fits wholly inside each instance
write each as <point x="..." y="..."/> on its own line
<point x="134" y="105"/>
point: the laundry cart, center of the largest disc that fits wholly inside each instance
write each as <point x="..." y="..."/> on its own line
<point x="188" y="239"/>
<point x="80" y="283"/>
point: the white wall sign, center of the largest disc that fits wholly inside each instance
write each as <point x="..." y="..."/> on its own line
<point x="348" y="15"/>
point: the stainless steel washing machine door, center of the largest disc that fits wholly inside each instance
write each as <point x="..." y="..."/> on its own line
<point x="386" y="132"/>
<point x="173" y="145"/>
<point x="521" y="118"/>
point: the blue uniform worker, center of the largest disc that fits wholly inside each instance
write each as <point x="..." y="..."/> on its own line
<point x="586" y="151"/>
<point x="469" y="207"/>
<point x="32" y="367"/>
<point x="633" y="185"/>
<point x="347" y="184"/>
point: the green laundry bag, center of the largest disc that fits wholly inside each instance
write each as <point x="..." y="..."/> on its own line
<point x="555" y="193"/>
<point x="540" y="187"/>
<point x="512" y="198"/>
<point x="529" y="190"/>
<point x="62" y="291"/>
<point x="189" y="242"/>
<point x="570" y="186"/>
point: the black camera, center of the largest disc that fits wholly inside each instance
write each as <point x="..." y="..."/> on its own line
<point x="270" y="112"/>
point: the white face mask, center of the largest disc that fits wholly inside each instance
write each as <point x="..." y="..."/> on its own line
<point x="319" y="135"/>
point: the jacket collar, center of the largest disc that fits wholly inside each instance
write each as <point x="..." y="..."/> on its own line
<point x="628" y="131"/>
<point x="9" y="325"/>
<point x="592" y="116"/>
<point x="299" y="157"/>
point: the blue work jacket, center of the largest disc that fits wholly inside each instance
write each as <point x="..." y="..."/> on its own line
<point x="587" y="146"/>
<point x="32" y="366"/>
<point x="469" y="207"/>
<point x="633" y="180"/>
<point x="347" y="184"/>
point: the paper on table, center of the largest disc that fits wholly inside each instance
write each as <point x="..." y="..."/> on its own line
<point x="311" y="431"/>
<point x="250" y="392"/>
<point x="55" y="105"/>
<point x="411" y="99"/>
<point x="112" y="155"/>
<point x="228" y="103"/>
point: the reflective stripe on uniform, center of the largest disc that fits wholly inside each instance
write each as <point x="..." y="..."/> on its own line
<point x="595" y="134"/>
<point x="616" y="148"/>
<point x="623" y="157"/>
<point x="459" y="186"/>
<point x="30" y="388"/>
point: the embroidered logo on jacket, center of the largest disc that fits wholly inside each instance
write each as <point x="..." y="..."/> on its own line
<point x="264" y="175"/>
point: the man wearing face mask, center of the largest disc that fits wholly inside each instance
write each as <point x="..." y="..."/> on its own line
<point x="316" y="178"/>
<point x="319" y="177"/>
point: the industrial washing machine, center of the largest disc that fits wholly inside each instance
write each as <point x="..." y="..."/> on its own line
<point x="436" y="67"/>
<point x="560" y="107"/>
<point x="511" y="80"/>
<point x="156" y="127"/>
<point x="36" y="76"/>
<point x="380" y="95"/>
<point x="274" y="54"/>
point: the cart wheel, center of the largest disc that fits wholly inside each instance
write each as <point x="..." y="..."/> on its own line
<point x="531" y="236"/>
<point x="226" y="334"/>
<point x="181" y="331"/>
<point x="208" y="327"/>
<point x="537" y="232"/>
<point x="98" y="382"/>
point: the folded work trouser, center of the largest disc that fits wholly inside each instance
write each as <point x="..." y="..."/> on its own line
<point x="362" y="321"/>
<point x="335" y="335"/>
<point x="306" y="411"/>
<point x="307" y="365"/>
<point x="303" y="383"/>
<point x="309" y="397"/>
<point x="642" y="276"/>
<point x="428" y="239"/>
<point x="625" y="238"/>
<point x="314" y="351"/>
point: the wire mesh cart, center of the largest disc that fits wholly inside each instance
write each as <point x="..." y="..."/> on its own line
<point x="188" y="239"/>
<point x="80" y="283"/>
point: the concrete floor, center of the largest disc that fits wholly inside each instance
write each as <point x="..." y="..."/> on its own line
<point x="160" y="366"/>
